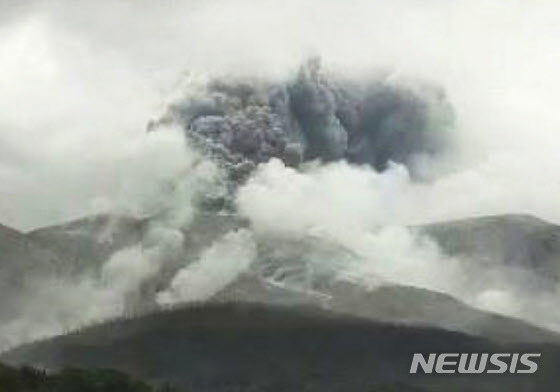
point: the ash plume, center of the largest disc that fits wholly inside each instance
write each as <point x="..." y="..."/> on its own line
<point x="314" y="115"/>
<point x="325" y="164"/>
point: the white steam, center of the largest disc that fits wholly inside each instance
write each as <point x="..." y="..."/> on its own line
<point x="58" y="305"/>
<point x="366" y="213"/>
<point x="75" y="93"/>
<point x="218" y="265"/>
<point x="346" y="206"/>
<point x="79" y="82"/>
<point x="162" y="178"/>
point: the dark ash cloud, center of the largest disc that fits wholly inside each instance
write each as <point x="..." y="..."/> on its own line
<point x="314" y="116"/>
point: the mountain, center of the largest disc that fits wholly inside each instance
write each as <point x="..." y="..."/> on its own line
<point x="82" y="245"/>
<point x="505" y="240"/>
<point x="89" y="241"/>
<point x="394" y="304"/>
<point x="21" y="261"/>
<point x="235" y="347"/>
<point x="19" y="251"/>
<point x="520" y="241"/>
<point x="335" y="336"/>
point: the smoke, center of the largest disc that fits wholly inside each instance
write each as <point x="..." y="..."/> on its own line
<point x="343" y="205"/>
<point x="331" y="158"/>
<point x="84" y="90"/>
<point x="218" y="265"/>
<point x="163" y="180"/>
<point x="313" y="116"/>
<point x="56" y="304"/>
<point x="361" y="217"/>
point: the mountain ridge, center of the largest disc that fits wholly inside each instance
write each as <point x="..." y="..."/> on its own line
<point x="275" y="347"/>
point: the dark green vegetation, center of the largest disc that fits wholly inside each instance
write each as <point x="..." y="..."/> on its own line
<point x="27" y="379"/>
<point x="257" y="348"/>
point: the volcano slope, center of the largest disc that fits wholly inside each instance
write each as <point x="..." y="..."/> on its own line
<point x="55" y="250"/>
<point x="316" y="342"/>
<point x="21" y="261"/>
<point x="403" y="305"/>
<point x="518" y="241"/>
<point x="235" y="347"/>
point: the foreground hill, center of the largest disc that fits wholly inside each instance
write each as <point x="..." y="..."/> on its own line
<point x="27" y="379"/>
<point x="247" y="347"/>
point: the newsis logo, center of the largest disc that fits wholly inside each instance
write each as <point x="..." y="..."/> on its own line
<point x="474" y="363"/>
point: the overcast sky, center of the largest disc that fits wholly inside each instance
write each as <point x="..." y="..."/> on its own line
<point x="80" y="80"/>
